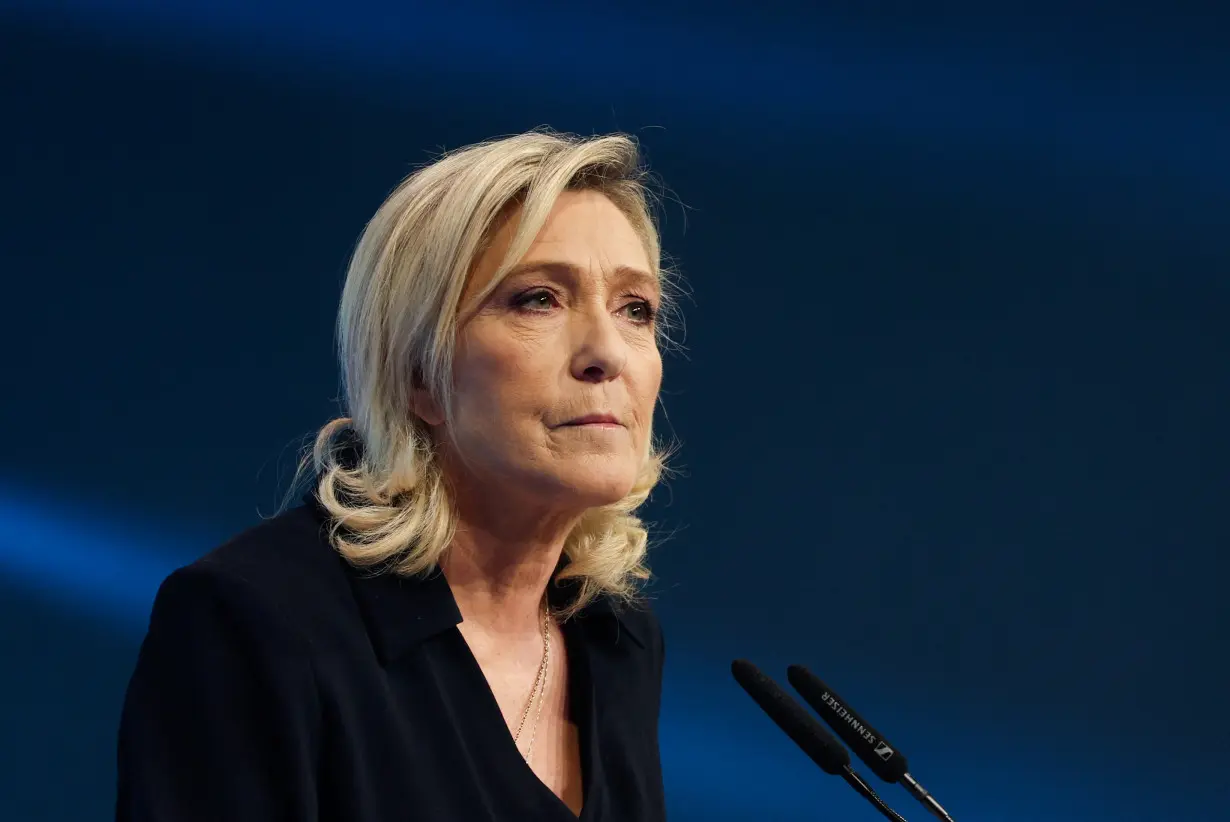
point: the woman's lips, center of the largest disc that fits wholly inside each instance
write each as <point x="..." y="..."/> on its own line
<point x="595" y="419"/>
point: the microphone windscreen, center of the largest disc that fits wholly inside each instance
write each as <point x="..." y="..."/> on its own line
<point x="884" y="760"/>
<point x="791" y="717"/>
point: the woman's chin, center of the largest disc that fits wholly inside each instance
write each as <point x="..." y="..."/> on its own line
<point x="594" y="487"/>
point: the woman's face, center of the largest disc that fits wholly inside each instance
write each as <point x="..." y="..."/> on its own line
<point x="557" y="374"/>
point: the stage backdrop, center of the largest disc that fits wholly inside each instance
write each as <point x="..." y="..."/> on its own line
<point x="953" y="401"/>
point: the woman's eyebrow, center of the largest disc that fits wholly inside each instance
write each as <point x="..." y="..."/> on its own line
<point x="562" y="270"/>
<point x="557" y="270"/>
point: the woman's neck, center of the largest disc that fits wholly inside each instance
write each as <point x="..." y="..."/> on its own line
<point x="500" y="574"/>
<point x="502" y="593"/>
<point x="505" y="549"/>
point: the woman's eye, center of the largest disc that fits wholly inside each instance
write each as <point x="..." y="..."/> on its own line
<point x="641" y="311"/>
<point x="535" y="300"/>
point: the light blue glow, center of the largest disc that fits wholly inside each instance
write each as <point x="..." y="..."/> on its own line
<point x="102" y="569"/>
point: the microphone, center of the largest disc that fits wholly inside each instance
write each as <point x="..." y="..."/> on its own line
<point x="806" y="732"/>
<point x="867" y="743"/>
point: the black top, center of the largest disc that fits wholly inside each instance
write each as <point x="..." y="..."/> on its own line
<point x="276" y="682"/>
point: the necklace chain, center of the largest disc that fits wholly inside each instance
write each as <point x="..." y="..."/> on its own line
<point x="538" y="692"/>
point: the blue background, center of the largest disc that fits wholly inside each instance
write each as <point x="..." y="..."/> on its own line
<point x="953" y="408"/>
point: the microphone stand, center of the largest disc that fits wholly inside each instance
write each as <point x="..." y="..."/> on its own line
<point x="924" y="796"/>
<point x="860" y="785"/>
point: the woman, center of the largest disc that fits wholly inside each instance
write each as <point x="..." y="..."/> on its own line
<point x="448" y="628"/>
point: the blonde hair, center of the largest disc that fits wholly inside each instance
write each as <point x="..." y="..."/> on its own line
<point x="397" y="326"/>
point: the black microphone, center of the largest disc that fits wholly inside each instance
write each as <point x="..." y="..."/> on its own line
<point x="867" y="743"/>
<point x="806" y="732"/>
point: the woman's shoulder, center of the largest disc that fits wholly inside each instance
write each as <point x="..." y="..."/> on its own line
<point x="276" y="574"/>
<point x="292" y="545"/>
<point x="628" y="625"/>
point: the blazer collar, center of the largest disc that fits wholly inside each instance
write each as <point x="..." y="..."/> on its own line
<point x="402" y="612"/>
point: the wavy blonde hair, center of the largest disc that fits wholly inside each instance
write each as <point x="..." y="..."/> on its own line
<point x="397" y="328"/>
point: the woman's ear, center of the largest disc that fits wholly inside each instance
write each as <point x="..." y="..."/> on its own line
<point x="424" y="405"/>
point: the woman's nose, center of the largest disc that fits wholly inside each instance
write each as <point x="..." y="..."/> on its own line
<point x="601" y="351"/>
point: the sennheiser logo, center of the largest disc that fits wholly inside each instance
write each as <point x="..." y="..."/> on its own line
<point x="884" y="752"/>
<point x="859" y="728"/>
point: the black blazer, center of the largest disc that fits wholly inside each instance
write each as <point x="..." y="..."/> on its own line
<point x="278" y="683"/>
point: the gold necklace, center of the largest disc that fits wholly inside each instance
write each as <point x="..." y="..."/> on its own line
<point x="538" y="692"/>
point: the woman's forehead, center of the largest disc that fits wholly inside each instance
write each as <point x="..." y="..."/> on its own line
<point x="567" y="247"/>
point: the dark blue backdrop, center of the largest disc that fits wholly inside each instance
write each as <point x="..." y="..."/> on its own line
<point x="952" y="410"/>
